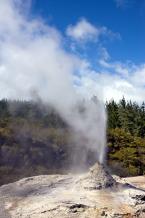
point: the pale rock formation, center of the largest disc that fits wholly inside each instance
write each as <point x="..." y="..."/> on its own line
<point x="91" y="195"/>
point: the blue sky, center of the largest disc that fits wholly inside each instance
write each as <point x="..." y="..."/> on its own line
<point x="62" y="47"/>
<point x="127" y="17"/>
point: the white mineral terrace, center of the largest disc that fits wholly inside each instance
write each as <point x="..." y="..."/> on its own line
<point x="91" y="195"/>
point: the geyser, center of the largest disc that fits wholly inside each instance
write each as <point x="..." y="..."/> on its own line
<point x="97" y="178"/>
<point x="34" y="60"/>
<point x="88" y="121"/>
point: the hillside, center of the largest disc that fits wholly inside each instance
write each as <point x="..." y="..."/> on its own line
<point x="35" y="140"/>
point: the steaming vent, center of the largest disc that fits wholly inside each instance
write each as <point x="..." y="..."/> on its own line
<point x="97" y="178"/>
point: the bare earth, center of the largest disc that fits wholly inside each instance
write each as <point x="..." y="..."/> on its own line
<point x="73" y="196"/>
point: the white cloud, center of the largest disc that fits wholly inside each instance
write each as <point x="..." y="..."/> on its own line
<point x="138" y="76"/>
<point x="114" y="81"/>
<point x="30" y="53"/>
<point x="117" y="67"/>
<point x="85" y="31"/>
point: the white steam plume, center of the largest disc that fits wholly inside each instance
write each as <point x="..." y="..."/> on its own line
<point x="32" y="59"/>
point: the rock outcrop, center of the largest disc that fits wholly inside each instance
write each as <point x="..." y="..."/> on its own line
<point x="91" y="195"/>
<point x="97" y="178"/>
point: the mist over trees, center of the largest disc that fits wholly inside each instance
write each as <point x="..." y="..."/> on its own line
<point x="35" y="140"/>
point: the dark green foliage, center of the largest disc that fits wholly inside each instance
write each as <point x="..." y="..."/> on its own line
<point x="128" y="116"/>
<point x="126" y="154"/>
<point x="126" y="137"/>
<point x="113" y="115"/>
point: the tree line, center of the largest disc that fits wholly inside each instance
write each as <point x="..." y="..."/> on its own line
<point x="128" y="116"/>
<point x="35" y="140"/>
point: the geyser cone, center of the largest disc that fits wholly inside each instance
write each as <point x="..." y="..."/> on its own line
<point x="97" y="178"/>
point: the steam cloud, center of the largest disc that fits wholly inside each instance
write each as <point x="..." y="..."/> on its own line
<point x="33" y="61"/>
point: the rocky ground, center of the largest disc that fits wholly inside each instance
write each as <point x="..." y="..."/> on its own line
<point x="91" y="195"/>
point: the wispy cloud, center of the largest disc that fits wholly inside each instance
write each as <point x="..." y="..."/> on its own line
<point x="115" y="79"/>
<point x="114" y="85"/>
<point x="124" y="3"/>
<point x="84" y="31"/>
